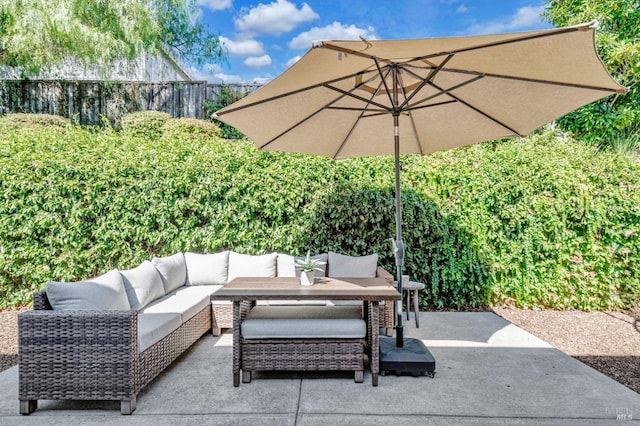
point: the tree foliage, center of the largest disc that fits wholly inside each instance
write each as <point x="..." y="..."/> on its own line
<point x="618" y="45"/>
<point x="39" y="34"/>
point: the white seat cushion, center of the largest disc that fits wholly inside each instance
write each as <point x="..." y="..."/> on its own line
<point x="199" y="291"/>
<point x="186" y="301"/>
<point x="295" y="302"/>
<point x="312" y="322"/>
<point x="152" y="327"/>
<point x="344" y="302"/>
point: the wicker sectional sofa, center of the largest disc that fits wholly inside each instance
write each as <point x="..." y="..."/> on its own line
<point x="108" y="337"/>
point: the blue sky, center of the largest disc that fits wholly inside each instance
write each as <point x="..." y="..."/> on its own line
<point x="263" y="38"/>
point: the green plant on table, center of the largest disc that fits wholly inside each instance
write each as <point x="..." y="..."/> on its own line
<point x="308" y="264"/>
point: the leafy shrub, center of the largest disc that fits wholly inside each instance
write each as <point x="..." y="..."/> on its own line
<point x="144" y="123"/>
<point x="190" y="128"/>
<point x="542" y="221"/>
<point x="227" y="96"/>
<point x="34" y="121"/>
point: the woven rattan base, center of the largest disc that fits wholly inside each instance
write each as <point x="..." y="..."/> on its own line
<point x="302" y="355"/>
<point x="92" y="355"/>
<point x="221" y="317"/>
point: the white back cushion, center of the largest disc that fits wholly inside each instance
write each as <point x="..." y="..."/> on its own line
<point x="103" y="293"/>
<point x="143" y="285"/>
<point x="244" y="265"/>
<point x="341" y="266"/>
<point x="207" y="269"/>
<point x="173" y="271"/>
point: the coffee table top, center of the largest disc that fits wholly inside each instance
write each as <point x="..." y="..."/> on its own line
<point x="248" y="288"/>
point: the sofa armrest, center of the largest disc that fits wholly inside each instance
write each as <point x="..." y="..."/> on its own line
<point x="77" y="355"/>
<point x="383" y="273"/>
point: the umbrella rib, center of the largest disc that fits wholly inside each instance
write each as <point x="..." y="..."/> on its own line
<point x="445" y="91"/>
<point x="381" y="112"/>
<point x="384" y="82"/>
<point x="479" y="111"/>
<point x="431" y="105"/>
<point x="424" y="82"/>
<point x="326" y="106"/>
<point x="534" y="80"/>
<point x="326" y="84"/>
<point x="354" y="96"/>
<point x="308" y="117"/>
<point x="355" y="124"/>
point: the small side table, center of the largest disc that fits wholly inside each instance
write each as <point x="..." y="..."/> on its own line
<point x="415" y="287"/>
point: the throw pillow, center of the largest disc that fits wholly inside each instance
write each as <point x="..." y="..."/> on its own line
<point x="287" y="265"/>
<point x="143" y="285"/>
<point x="341" y="266"/>
<point x="244" y="265"/>
<point x="103" y="293"/>
<point x="206" y="269"/>
<point x="173" y="270"/>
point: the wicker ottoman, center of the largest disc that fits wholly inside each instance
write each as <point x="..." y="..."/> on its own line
<point x="303" y="338"/>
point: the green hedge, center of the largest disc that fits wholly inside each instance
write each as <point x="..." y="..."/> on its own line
<point x="36" y="121"/>
<point x="536" y="222"/>
<point x="147" y="124"/>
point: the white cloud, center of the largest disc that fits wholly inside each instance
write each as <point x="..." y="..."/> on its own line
<point x="524" y="18"/>
<point x="243" y="47"/>
<point x="274" y="18"/>
<point x="212" y="68"/>
<point x="335" y="31"/>
<point x="293" y="60"/>
<point x="226" y="78"/>
<point x="462" y="9"/>
<point x="215" y="4"/>
<point x="527" y="16"/>
<point x="261" y="80"/>
<point x="258" y="61"/>
<point x="213" y="73"/>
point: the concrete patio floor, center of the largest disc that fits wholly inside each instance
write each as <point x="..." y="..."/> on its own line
<point x="489" y="372"/>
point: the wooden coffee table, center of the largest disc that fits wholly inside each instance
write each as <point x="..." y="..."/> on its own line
<point x="371" y="291"/>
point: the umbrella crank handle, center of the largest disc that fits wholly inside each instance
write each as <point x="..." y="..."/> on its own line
<point x="398" y="251"/>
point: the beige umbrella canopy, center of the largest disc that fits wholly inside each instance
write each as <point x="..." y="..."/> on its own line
<point x="338" y="100"/>
<point x="390" y="97"/>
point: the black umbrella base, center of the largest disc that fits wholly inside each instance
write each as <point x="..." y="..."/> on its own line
<point x="413" y="358"/>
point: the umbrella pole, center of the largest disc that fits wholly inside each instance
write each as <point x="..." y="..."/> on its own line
<point x="398" y="244"/>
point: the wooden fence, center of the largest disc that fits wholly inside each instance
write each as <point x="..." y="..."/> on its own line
<point x="88" y="101"/>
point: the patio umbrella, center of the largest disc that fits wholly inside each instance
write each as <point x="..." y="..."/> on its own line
<point x="390" y="97"/>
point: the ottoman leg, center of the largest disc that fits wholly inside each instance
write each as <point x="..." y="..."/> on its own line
<point x="28" y="406"/>
<point x="128" y="406"/>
